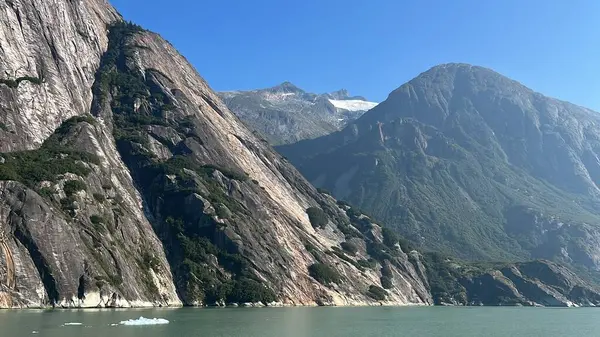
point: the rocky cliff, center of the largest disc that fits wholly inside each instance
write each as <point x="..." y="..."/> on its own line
<point x="127" y="182"/>
<point x="285" y="113"/>
<point x="72" y="228"/>
<point x="534" y="283"/>
<point x="50" y="51"/>
<point x="232" y="214"/>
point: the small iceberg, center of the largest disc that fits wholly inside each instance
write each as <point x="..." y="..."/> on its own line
<point x="71" y="324"/>
<point x="145" y="321"/>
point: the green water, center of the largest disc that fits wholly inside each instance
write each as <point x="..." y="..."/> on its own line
<point x="309" y="322"/>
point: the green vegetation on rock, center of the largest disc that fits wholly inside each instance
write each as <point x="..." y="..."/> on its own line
<point x="386" y="282"/>
<point x="96" y="219"/>
<point x="15" y="83"/>
<point x="99" y="197"/>
<point x="207" y="272"/>
<point x="489" y="174"/>
<point x="377" y="293"/>
<point x="73" y="186"/>
<point x="349" y="247"/>
<point x="48" y="163"/>
<point x="317" y="217"/>
<point x="443" y="279"/>
<point x="324" y="274"/>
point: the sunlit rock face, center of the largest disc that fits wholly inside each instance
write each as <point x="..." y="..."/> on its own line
<point x="140" y="188"/>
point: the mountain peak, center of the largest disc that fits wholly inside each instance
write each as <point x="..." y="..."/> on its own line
<point x="286" y="114"/>
<point x="455" y="65"/>
<point x="463" y="77"/>
<point x="287" y="87"/>
<point x="343" y="94"/>
<point x="456" y="68"/>
<point x="339" y="94"/>
<point x="478" y="72"/>
<point x="479" y="145"/>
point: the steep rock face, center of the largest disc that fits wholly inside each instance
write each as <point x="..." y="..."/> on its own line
<point x="285" y="113"/>
<point x="232" y="214"/>
<point x="535" y="283"/>
<point x="77" y="239"/>
<point x="49" y="50"/>
<point x="72" y="228"/>
<point x="452" y="158"/>
<point x="549" y="237"/>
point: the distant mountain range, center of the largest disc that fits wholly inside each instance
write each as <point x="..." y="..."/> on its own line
<point x="285" y="113"/>
<point x="464" y="160"/>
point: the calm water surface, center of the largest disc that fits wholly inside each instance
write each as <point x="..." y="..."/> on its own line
<point x="309" y="322"/>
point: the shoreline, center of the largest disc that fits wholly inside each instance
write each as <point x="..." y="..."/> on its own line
<point x="216" y="307"/>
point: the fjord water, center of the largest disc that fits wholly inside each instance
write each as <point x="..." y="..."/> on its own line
<point x="309" y="322"/>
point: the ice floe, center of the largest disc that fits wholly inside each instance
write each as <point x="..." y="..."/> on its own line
<point x="145" y="321"/>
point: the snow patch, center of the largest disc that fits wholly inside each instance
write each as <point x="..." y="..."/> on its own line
<point x="279" y="96"/>
<point x="353" y="104"/>
<point x="145" y="321"/>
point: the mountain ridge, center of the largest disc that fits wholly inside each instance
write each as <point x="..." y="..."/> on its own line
<point x="285" y="113"/>
<point x="460" y="143"/>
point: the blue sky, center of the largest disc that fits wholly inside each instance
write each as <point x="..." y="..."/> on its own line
<point x="372" y="47"/>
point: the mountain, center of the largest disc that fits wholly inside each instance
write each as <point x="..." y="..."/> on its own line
<point x="466" y="161"/>
<point x="72" y="230"/>
<point x="126" y="182"/>
<point x="285" y="113"/>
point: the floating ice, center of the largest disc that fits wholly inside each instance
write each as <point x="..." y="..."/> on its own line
<point x="145" y="321"/>
<point x="73" y="323"/>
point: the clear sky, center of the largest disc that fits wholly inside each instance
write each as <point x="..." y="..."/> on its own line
<point x="371" y="47"/>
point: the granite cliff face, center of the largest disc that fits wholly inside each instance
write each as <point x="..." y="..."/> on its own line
<point x="126" y="182"/>
<point x="77" y="237"/>
<point x="50" y="51"/>
<point x="232" y="214"/>
<point x="72" y="228"/>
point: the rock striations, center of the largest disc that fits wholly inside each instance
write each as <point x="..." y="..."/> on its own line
<point x="126" y="182"/>
<point x="50" y="51"/>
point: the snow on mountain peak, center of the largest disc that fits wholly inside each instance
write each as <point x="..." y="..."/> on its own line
<point x="353" y="104"/>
